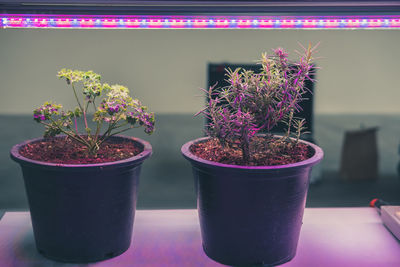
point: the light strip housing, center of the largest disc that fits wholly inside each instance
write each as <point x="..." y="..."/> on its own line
<point x="198" y="22"/>
<point x="196" y="7"/>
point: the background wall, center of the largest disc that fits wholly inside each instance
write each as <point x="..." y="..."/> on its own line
<point x="165" y="68"/>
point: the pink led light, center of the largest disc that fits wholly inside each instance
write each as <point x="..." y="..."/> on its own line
<point x="163" y="22"/>
<point x="244" y="23"/>
<point x="16" y="22"/>
<point x="200" y="23"/>
<point x="395" y="22"/>
<point x="63" y="23"/>
<point x="155" y="23"/>
<point x="353" y="23"/>
<point x="109" y="23"/>
<point x="178" y="23"/>
<point x="287" y="24"/>
<point x="332" y="24"/>
<point x="86" y="23"/>
<point x="132" y="23"/>
<point x="266" y="24"/>
<point x="309" y="24"/>
<point x="222" y="23"/>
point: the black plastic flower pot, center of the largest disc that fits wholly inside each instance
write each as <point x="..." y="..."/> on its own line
<point x="250" y="216"/>
<point x="85" y="212"/>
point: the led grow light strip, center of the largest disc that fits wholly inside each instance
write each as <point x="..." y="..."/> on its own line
<point x="197" y="22"/>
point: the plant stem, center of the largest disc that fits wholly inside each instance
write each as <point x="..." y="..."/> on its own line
<point x="84" y="118"/>
<point x="124" y="130"/>
<point x="76" y="97"/>
<point x="77" y="138"/>
<point x="121" y="131"/>
<point x="110" y="128"/>
<point x="76" y="125"/>
<point x="107" y="132"/>
<point x="99" y="124"/>
<point x="87" y="106"/>
<point x="84" y="115"/>
<point x="289" y="123"/>
<point x="121" y="125"/>
<point x="245" y="145"/>
<point x="245" y="152"/>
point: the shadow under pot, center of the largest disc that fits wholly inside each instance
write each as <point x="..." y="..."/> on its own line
<point x="250" y="215"/>
<point x="83" y="212"/>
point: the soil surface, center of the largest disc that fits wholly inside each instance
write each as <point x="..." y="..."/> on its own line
<point x="67" y="151"/>
<point x="263" y="152"/>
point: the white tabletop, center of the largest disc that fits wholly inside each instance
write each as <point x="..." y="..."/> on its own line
<point x="329" y="237"/>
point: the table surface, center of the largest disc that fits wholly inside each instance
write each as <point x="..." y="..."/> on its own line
<point x="329" y="237"/>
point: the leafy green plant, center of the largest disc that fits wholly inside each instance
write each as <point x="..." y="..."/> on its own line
<point x="116" y="111"/>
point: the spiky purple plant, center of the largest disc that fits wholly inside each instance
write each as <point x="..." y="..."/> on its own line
<point x="257" y="102"/>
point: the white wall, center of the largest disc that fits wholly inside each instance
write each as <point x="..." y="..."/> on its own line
<point x="164" y="68"/>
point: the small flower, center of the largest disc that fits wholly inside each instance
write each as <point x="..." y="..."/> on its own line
<point x="45" y="111"/>
<point x="71" y="76"/>
<point x="119" y="92"/>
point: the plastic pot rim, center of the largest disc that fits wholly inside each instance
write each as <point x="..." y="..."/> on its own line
<point x="316" y="158"/>
<point x="135" y="160"/>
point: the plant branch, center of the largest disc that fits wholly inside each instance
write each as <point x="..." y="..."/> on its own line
<point x="76" y="125"/>
<point x="77" y="138"/>
<point x="121" y="131"/>
<point x="98" y="128"/>
<point x="76" y="97"/>
<point x="94" y="104"/>
<point x="107" y="132"/>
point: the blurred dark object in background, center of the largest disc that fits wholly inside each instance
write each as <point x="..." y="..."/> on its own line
<point x="359" y="159"/>
<point x="398" y="165"/>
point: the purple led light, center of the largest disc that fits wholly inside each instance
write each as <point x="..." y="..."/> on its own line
<point x="197" y="22"/>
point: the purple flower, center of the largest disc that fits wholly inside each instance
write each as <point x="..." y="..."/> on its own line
<point x="45" y="111"/>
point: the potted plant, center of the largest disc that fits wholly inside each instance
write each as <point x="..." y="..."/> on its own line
<point x="251" y="185"/>
<point x="81" y="187"/>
